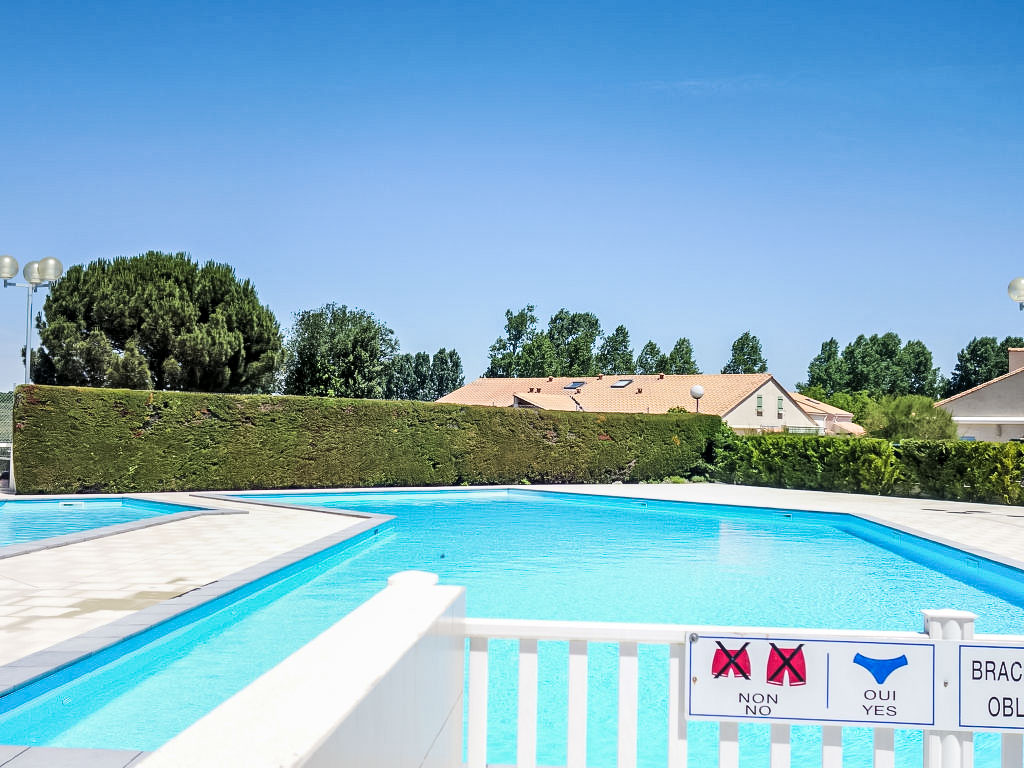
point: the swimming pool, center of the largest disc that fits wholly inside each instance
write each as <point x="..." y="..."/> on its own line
<point x="533" y="555"/>
<point x="25" y="520"/>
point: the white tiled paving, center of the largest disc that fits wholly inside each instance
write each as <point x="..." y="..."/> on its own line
<point x="55" y="594"/>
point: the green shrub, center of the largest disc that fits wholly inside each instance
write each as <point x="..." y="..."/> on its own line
<point x="70" y="439"/>
<point x="812" y="463"/>
<point x="963" y="470"/>
<point x="938" y="469"/>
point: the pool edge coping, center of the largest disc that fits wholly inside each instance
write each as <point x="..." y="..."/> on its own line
<point x="47" y="661"/>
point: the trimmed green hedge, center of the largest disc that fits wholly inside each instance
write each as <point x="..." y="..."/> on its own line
<point x="71" y="439"/>
<point x="939" y="469"/>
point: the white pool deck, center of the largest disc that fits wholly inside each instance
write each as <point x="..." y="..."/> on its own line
<point x="54" y="595"/>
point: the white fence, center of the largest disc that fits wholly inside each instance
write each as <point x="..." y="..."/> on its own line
<point x="942" y="682"/>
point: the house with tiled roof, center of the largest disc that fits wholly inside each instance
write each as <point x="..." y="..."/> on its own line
<point x="831" y="420"/>
<point x="994" y="410"/>
<point x="748" y="402"/>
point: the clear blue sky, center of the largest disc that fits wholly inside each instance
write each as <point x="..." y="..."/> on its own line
<point x="801" y="170"/>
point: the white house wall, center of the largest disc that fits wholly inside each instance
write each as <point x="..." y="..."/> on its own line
<point x="997" y="405"/>
<point x="744" y="416"/>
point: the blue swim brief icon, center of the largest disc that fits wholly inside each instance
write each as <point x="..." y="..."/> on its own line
<point x="880" y="669"/>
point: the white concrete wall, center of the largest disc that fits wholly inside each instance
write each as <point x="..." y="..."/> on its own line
<point x="1000" y="400"/>
<point x="995" y="433"/>
<point x="382" y="688"/>
<point x="744" y="416"/>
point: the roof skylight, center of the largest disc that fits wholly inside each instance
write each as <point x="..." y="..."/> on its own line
<point x="574" y="385"/>
<point x="621" y="383"/>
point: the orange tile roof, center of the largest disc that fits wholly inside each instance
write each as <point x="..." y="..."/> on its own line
<point x="809" y="405"/>
<point x="848" y="427"/>
<point x="649" y="393"/>
<point x="980" y="386"/>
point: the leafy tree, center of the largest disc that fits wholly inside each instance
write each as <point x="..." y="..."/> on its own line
<point x="573" y="336"/>
<point x="872" y="364"/>
<point x="197" y="327"/>
<point x="615" y="355"/>
<point x="445" y="373"/>
<point x="651" y="359"/>
<point x="401" y="381"/>
<point x="826" y="371"/>
<point x="983" y="359"/>
<point x="921" y="377"/>
<point x="680" y="359"/>
<point x="335" y="351"/>
<point x="506" y="352"/>
<point x="746" y="356"/>
<point x="539" y="357"/>
<point x="422" y="377"/>
<point x="909" y="417"/>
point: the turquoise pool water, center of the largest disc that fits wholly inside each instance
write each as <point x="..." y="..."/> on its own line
<point x="532" y="555"/>
<point x="24" y="520"/>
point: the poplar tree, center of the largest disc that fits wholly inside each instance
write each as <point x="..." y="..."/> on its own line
<point x="746" y="356"/>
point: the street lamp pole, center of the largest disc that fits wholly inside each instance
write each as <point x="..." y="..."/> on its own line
<point x="697" y="392"/>
<point x="37" y="274"/>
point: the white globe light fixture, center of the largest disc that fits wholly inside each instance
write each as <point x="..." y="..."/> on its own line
<point x="31" y="273"/>
<point x="8" y="267"/>
<point x="697" y="392"/>
<point x="37" y="274"/>
<point x="50" y="269"/>
<point x="1016" y="291"/>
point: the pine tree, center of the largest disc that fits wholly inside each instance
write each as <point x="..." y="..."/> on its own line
<point x="198" y="327"/>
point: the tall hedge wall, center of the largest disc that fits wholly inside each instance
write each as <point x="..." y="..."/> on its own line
<point x="70" y="439"/>
<point x="937" y="469"/>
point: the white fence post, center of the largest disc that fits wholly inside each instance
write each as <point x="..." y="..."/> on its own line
<point x="948" y="749"/>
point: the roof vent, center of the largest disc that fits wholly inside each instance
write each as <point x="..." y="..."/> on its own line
<point x="600" y="376"/>
<point x="551" y="378"/>
<point x="538" y="390"/>
<point x="661" y="375"/>
<point x="577" y="391"/>
<point x="639" y="390"/>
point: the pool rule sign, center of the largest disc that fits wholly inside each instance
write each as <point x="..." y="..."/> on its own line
<point x="991" y="686"/>
<point x="800" y="680"/>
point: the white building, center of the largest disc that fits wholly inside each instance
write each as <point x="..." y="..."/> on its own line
<point x="994" y="410"/>
<point x="747" y="402"/>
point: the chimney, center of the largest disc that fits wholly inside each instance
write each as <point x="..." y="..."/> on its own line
<point x="1016" y="358"/>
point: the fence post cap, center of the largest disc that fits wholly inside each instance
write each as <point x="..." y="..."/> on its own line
<point x="949" y="624"/>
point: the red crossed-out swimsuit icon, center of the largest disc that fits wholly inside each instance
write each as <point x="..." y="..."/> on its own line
<point x="786" y="663"/>
<point x="729" y="663"/>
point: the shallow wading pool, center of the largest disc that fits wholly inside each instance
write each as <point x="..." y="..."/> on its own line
<point x="534" y="555"/>
<point x="27" y="520"/>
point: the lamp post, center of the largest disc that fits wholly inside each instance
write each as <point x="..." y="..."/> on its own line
<point x="1016" y="291"/>
<point x="697" y="392"/>
<point x="37" y="274"/>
